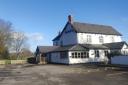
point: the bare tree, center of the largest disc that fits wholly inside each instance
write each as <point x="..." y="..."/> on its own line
<point x="19" y="42"/>
<point x="26" y="53"/>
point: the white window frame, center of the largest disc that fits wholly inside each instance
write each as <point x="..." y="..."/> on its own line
<point x="89" y="38"/>
<point x="101" y="39"/>
<point x="112" y="39"/>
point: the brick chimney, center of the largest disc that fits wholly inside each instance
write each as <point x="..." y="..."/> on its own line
<point x="70" y="20"/>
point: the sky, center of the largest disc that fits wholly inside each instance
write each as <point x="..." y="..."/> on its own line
<point x="41" y="20"/>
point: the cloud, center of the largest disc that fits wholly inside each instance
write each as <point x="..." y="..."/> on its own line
<point x="34" y="39"/>
<point x="35" y="36"/>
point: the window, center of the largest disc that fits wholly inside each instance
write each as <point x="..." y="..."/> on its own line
<point x="89" y="40"/>
<point x="112" y="39"/>
<point x="63" y="55"/>
<point x="80" y="54"/>
<point x="106" y="53"/>
<point x="81" y="36"/>
<point x="97" y="53"/>
<point x="101" y="40"/>
<point x="75" y="54"/>
<point x="86" y="54"/>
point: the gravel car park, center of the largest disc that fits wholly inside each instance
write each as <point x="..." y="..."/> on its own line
<point x="52" y="74"/>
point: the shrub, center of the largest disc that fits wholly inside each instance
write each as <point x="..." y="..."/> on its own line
<point x="32" y="60"/>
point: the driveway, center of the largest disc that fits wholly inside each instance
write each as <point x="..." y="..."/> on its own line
<point x="51" y="74"/>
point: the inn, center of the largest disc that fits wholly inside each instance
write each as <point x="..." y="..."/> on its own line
<point x="82" y="43"/>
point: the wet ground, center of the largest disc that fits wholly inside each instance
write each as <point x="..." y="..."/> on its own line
<point x="62" y="75"/>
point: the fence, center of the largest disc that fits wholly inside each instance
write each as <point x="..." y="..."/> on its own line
<point x="3" y="62"/>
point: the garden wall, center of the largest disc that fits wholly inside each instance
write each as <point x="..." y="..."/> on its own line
<point x="3" y="62"/>
<point x="123" y="60"/>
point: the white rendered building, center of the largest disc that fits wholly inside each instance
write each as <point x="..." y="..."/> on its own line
<point x="83" y="43"/>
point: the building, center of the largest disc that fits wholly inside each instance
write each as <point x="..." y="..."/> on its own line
<point x="82" y="43"/>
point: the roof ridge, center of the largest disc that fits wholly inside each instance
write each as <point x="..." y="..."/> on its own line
<point x="93" y="24"/>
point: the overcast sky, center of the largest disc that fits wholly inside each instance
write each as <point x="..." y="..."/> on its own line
<point x="41" y="20"/>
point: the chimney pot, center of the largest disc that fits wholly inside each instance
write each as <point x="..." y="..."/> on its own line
<point x="70" y="19"/>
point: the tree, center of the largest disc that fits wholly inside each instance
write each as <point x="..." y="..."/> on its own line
<point x="19" y="42"/>
<point x="5" y="37"/>
<point x="26" y="53"/>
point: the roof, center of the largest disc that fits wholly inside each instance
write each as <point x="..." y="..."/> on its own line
<point x="95" y="46"/>
<point x="57" y="37"/>
<point x="81" y="47"/>
<point x="90" y="28"/>
<point x="116" y="45"/>
<point x="71" y="48"/>
<point x="46" y="49"/>
<point x="94" y="28"/>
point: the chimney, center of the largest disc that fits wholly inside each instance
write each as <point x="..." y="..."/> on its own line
<point x="70" y="20"/>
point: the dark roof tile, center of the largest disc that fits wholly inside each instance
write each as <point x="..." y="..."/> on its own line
<point x="94" y="28"/>
<point x="46" y="49"/>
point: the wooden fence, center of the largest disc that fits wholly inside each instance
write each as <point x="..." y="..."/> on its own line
<point x="3" y="62"/>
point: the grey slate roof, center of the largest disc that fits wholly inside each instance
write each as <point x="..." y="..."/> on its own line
<point x="95" y="46"/>
<point x="94" y="28"/>
<point x="71" y="48"/>
<point x="81" y="47"/>
<point x="116" y="45"/>
<point x="46" y="49"/>
<point x="91" y="28"/>
<point x="57" y="37"/>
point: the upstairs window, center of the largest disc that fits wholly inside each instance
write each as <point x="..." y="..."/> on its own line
<point x="89" y="39"/>
<point x="112" y="39"/>
<point x="101" y="39"/>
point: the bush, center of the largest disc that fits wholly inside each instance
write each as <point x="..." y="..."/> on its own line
<point x="32" y="60"/>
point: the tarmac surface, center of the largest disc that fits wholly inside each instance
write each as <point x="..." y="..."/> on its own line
<point x="52" y="74"/>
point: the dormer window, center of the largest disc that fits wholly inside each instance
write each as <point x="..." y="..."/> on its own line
<point x="101" y="39"/>
<point x="89" y="39"/>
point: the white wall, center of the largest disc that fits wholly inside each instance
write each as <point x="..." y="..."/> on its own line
<point x="120" y="60"/>
<point x="68" y="38"/>
<point x="124" y="49"/>
<point x="82" y="38"/>
<point x="55" y="58"/>
<point x="101" y="57"/>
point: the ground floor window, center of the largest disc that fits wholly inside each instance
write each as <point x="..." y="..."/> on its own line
<point x="106" y="53"/>
<point x="80" y="54"/>
<point x="97" y="53"/>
